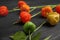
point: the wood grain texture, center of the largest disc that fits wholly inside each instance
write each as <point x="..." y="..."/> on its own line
<point x="7" y="28"/>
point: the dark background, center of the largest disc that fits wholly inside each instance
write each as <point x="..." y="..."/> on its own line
<point x="7" y="28"/>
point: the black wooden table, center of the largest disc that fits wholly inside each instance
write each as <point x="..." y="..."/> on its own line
<point x="7" y="28"/>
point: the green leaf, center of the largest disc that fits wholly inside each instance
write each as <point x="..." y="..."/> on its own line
<point x="47" y="38"/>
<point x="19" y="36"/>
<point x="37" y="36"/>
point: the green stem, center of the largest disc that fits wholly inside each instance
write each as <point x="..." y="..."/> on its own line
<point x="39" y="27"/>
<point x="35" y="14"/>
<point x="32" y="9"/>
<point x="29" y="36"/>
<point x="37" y="7"/>
<point x="15" y="9"/>
<point x="53" y="6"/>
<point x="43" y="6"/>
<point x="47" y="38"/>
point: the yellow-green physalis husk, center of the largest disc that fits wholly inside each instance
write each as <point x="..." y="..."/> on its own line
<point x="29" y="26"/>
<point x="53" y="18"/>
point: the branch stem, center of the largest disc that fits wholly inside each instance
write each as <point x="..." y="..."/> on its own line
<point x="29" y="36"/>
<point x="15" y="9"/>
